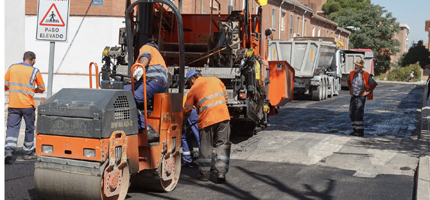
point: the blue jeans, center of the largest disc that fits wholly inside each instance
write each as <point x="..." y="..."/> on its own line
<point x="187" y="145"/>
<point x="14" y="118"/>
<point x="152" y="88"/>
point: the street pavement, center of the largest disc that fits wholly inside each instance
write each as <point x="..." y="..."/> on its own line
<point x="302" y="158"/>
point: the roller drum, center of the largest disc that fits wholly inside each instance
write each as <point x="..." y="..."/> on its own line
<point x="53" y="184"/>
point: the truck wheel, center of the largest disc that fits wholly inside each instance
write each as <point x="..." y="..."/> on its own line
<point x="331" y="91"/>
<point x="317" y="93"/>
<point x="324" y="85"/>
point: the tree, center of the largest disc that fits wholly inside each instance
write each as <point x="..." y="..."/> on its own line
<point x="334" y="8"/>
<point x="417" y="53"/>
<point x="375" y="29"/>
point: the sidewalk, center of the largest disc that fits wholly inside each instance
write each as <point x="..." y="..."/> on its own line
<point x="423" y="174"/>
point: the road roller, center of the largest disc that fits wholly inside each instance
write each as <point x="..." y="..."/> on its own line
<point x="88" y="144"/>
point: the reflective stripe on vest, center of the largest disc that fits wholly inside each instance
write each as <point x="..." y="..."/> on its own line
<point x="156" y="68"/>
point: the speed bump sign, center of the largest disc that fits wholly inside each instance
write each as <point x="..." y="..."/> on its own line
<point x="52" y="20"/>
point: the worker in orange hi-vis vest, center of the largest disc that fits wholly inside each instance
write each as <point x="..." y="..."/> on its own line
<point x="208" y="94"/>
<point x="156" y="82"/>
<point x="22" y="80"/>
<point x="361" y="85"/>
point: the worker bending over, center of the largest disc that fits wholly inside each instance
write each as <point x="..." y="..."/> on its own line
<point x="207" y="94"/>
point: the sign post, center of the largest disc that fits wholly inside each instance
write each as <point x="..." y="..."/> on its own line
<point x="52" y="23"/>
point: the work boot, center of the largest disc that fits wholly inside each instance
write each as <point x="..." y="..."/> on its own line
<point x="220" y="177"/>
<point x="153" y="136"/>
<point x="29" y="156"/>
<point x="353" y="134"/>
<point x="8" y="158"/>
<point x="203" y="176"/>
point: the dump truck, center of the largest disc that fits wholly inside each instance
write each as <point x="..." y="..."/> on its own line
<point x="348" y="59"/>
<point x="88" y="145"/>
<point x="316" y="61"/>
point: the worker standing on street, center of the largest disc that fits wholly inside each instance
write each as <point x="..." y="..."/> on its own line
<point x="361" y="85"/>
<point x="156" y="81"/>
<point x="207" y="94"/>
<point x="22" y="80"/>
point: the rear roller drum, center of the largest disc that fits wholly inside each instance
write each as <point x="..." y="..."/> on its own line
<point x="163" y="179"/>
<point x="115" y="183"/>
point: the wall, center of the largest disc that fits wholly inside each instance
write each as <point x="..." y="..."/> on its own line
<point x="90" y="29"/>
<point x="14" y="33"/>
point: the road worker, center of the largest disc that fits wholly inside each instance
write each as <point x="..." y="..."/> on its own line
<point x="22" y="80"/>
<point x="208" y="94"/>
<point x="156" y="81"/>
<point x="361" y="85"/>
<point x="187" y="142"/>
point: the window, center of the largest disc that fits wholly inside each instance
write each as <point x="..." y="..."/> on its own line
<point x="319" y="32"/>
<point x="273" y="19"/>
<point x="282" y="21"/>
<point x="313" y="31"/>
<point x="298" y="25"/>
<point x="323" y="33"/>
<point x="291" y="26"/>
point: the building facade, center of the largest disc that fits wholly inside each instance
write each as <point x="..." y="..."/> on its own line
<point x="403" y="38"/>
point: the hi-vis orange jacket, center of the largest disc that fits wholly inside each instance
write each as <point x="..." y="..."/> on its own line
<point x="21" y="80"/>
<point x="366" y="76"/>
<point x="156" y="68"/>
<point x="208" y="96"/>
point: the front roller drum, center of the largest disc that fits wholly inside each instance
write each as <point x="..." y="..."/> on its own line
<point x="54" y="184"/>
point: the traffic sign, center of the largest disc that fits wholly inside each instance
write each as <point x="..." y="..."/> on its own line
<point x="52" y="20"/>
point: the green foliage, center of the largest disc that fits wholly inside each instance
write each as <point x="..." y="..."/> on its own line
<point x="403" y="73"/>
<point x="337" y="7"/>
<point x="417" y="53"/>
<point x="375" y="29"/>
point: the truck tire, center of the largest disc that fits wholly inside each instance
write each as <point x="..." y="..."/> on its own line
<point x="317" y="93"/>
<point x="324" y="84"/>
<point x="331" y="93"/>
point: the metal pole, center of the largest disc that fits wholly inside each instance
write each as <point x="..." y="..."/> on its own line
<point x="51" y="68"/>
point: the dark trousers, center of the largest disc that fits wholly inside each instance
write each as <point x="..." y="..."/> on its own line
<point x="356" y="113"/>
<point x="215" y="136"/>
<point x="13" y="125"/>
<point x="187" y="145"/>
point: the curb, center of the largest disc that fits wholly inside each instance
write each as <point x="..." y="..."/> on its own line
<point x="423" y="171"/>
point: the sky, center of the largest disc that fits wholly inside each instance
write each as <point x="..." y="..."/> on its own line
<point x="414" y="13"/>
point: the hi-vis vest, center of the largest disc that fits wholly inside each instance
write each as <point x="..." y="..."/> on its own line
<point x="208" y="96"/>
<point x="156" y="68"/>
<point x="366" y="77"/>
<point x="21" y="79"/>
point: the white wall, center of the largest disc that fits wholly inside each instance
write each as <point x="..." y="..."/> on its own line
<point x="84" y="44"/>
<point x="14" y="32"/>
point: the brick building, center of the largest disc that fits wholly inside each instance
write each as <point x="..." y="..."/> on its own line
<point x="403" y="38"/>
<point x="286" y="18"/>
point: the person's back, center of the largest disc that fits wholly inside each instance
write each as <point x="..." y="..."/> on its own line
<point x="21" y="80"/>
<point x="211" y="110"/>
